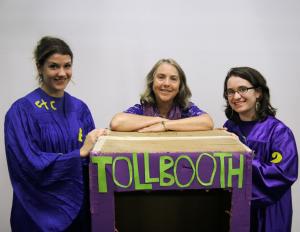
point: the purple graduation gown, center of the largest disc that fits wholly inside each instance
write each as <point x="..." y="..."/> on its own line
<point x="43" y="136"/>
<point x="274" y="170"/>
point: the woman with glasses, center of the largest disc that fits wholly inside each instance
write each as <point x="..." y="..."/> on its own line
<point x="275" y="163"/>
<point x="164" y="105"/>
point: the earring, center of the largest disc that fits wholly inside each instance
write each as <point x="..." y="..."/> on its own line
<point x="231" y="115"/>
<point x="40" y="78"/>
<point x="257" y="106"/>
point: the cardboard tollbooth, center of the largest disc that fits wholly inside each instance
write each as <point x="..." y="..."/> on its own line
<point x="170" y="181"/>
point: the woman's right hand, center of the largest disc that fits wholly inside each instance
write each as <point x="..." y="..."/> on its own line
<point x="90" y="141"/>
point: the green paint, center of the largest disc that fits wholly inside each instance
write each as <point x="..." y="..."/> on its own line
<point x="168" y="168"/>
<point x="129" y="170"/>
<point x="236" y="172"/>
<point x="163" y="167"/>
<point x="175" y="171"/>
<point x="138" y="184"/>
<point x="148" y="179"/>
<point x="213" y="171"/>
<point x="101" y="161"/>
<point x="222" y="155"/>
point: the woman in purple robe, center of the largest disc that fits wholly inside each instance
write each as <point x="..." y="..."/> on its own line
<point x="275" y="163"/>
<point x="164" y="105"/>
<point x="48" y="137"/>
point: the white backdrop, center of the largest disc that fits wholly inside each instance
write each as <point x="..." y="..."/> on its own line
<point x="116" y="42"/>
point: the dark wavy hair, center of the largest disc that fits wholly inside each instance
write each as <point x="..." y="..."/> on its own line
<point x="46" y="47"/>
<point x="182" y="98"/>
<point x="259" y="82"/>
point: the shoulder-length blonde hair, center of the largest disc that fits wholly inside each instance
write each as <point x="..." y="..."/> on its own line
<point x="182" y="98"/>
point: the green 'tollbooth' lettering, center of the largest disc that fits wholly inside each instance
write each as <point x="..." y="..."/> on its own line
<point x="168" y="171"/>
<point x="236" y="172"/>
<point x="213" y="171"/>
<point x="138" y="184"/>
<point x="148" y="179"/>
<point x="222" y="166"/>
<point x="101" y="162"/>
<point x="175" y="171"/>
<point x="163" y="167"/>
<point x="129" y="170"/>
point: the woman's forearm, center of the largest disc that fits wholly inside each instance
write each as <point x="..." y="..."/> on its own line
<point x="198" y="123"/>
<point x="132" y="122"/>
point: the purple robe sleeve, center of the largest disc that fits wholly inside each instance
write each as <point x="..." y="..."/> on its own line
<point x="272" y="178"/>
<point x="274" y="170"/>
<point x="192" y="111"/>
<point x="46" y="174"/>
<point x="136" y="109"/>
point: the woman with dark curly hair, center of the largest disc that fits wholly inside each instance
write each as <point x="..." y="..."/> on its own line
<point x="164" y="105"/>
<point x="275" y="164"/>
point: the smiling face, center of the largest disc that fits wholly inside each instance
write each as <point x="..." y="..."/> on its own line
<point x="243" y="103"/>
<point x="166" y="83"/>
<point x="56" y="73"/>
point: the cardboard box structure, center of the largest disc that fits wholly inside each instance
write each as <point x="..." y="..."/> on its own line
<point x="129" y="167"/>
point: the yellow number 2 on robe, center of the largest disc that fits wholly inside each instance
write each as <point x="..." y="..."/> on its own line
<point x="277" y="157"/>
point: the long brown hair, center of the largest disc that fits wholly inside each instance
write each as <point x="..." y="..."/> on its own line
<point x="182" y="98"/>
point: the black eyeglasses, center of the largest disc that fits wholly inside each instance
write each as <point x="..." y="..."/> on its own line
<point x="240" y="90"/>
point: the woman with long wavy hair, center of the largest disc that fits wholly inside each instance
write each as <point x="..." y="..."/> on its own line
<point x="165" y="104"/>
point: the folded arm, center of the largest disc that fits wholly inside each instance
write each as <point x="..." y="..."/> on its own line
<point x="133" y="122"/>
<point x="197" y="123"/>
